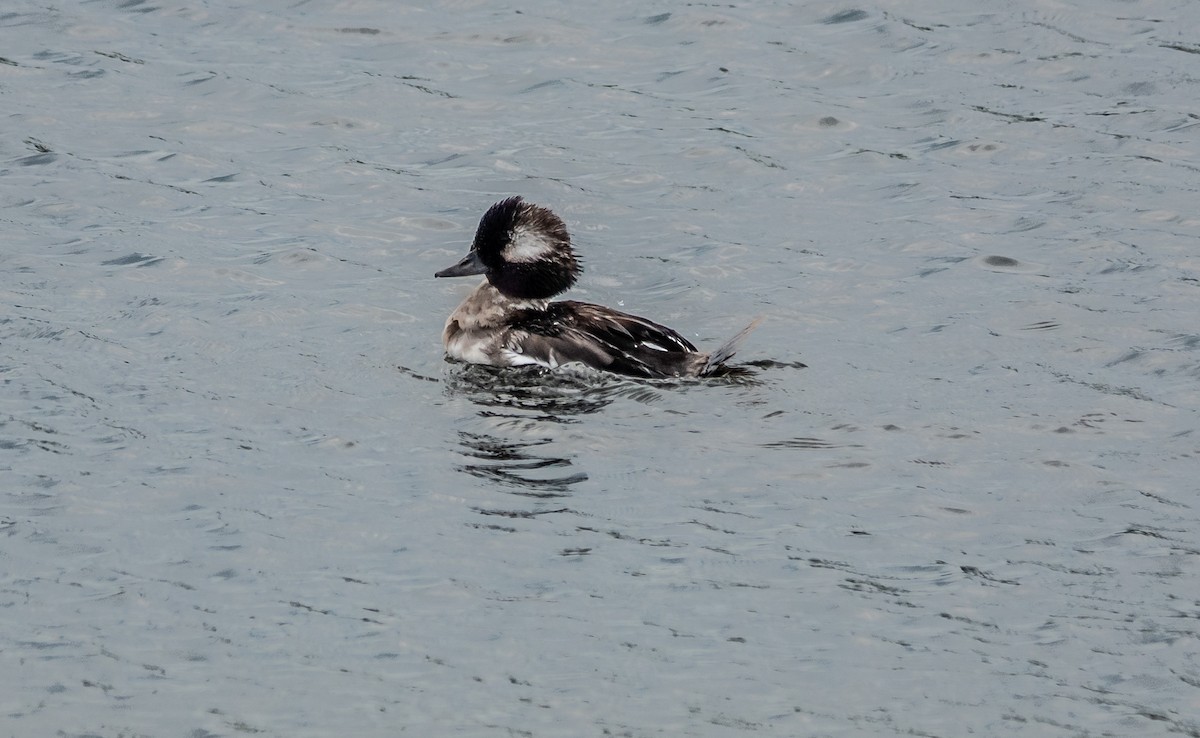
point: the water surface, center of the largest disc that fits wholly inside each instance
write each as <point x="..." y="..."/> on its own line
<point x="243" y="493"/>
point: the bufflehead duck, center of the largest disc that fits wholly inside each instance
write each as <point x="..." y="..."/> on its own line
<point x="525" y="253"/>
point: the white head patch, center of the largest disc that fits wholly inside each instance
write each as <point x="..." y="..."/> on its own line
<point x="528" y="245"/>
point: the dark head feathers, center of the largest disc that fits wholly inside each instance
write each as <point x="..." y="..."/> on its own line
<point x="526" y="249"/>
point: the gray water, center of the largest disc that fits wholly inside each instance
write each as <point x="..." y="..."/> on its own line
<point x="242" y="492"/>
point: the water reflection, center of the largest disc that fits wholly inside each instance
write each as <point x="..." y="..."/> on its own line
<point x="556" y="396"/>
<point x="519" y="413"/>
<point x="563" y="395"/>
<point x="515" y="437"/>
<point x="518" y="465"/>
<point x="523" y="410"/>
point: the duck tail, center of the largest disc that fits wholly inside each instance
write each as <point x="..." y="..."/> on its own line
<point x="726" y="350"/>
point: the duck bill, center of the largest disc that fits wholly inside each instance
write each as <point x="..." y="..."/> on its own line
<point x="465" y="268"/>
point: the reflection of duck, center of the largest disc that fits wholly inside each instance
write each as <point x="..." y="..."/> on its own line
<point x="544" y="395"/>
<point x="525" y="253"/>
<point x="516" y="464"/>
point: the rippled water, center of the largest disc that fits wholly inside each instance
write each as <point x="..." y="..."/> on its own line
<point x="243" y="494"/>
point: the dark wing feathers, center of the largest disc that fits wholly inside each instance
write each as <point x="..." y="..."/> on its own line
<point x="560" y="348"/>
<point x="622" y="328"/>
<point x="605" y="339"/>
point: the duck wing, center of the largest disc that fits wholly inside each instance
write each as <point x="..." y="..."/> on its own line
<point x="602" y="338"/>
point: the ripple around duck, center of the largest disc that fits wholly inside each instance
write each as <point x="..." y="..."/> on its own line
<point x="557" y="395"/>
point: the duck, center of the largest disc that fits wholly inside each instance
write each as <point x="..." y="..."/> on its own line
<point x="525" y="254"/>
